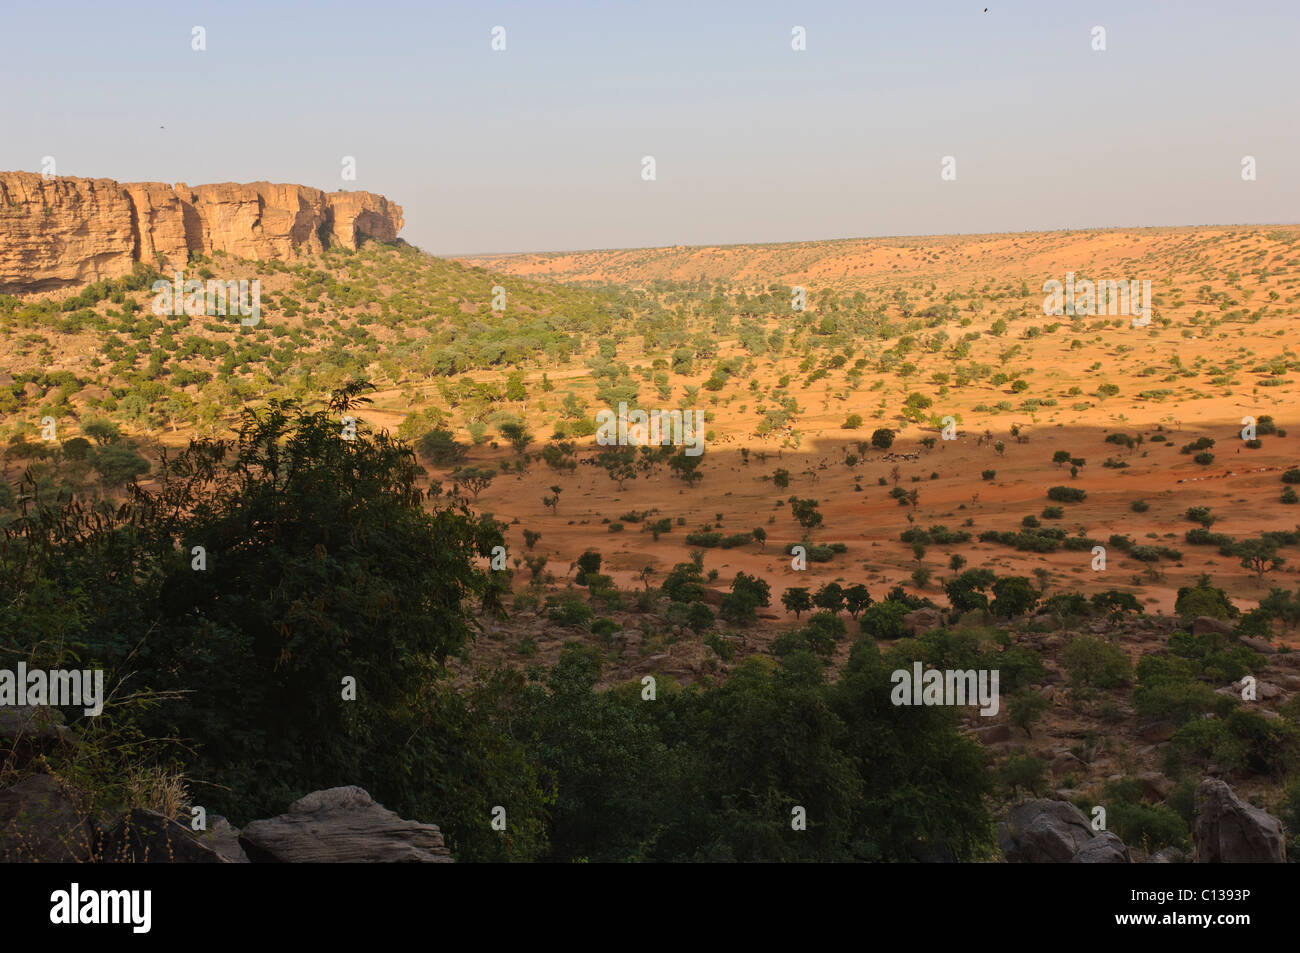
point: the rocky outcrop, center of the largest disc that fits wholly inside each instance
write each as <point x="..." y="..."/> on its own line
<point x="1227" y="830"/>
<point x="146" y="837"/>
<point x="1045" y="831"/>
<point x="38" y="822"/>
<point x="342" y="825"/>
<point x="62" y="232"/>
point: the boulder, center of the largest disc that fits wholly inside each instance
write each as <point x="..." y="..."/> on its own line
<point x="993" y="734"/>
<point x="1105" y="848"/>
<point x="1227" y="830"/>
<point x="222" y="838"/>
<point x="922" y="620"/>
<point x="39" y="823"/>
<point x="1208" y="624"/>
<point x="1157" y="731"/>
<point x="1258" y="645"/>
<point x="1167" y="855"/>
<point x="1045" y="831"/>
<point x="1067" y="763"/>
<point x="342" y="825"/>
<point x="29" y="730"/>
<point x="32" y="722"/>
<point x="1155" y="786"/>
<point x="145" y="837"/>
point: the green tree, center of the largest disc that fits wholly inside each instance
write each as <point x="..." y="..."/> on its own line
<point x="797" y="600"/>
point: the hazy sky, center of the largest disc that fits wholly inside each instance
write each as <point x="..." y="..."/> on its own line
<point x="539" y="146"/>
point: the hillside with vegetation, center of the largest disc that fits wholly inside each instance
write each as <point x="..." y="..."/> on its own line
<point x="501" y="586"/>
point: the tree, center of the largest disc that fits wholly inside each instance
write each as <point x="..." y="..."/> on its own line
<point x="686" y="467"/>
<point x="806" y="513"/>
<point x="1259" y="555"/>
<point x="1204" y="599"/>
<point x="588" y="565"/>
<point x="964" y="592"/>
<point x="620" y="463"/>
<point x="440" y="447"/>
<point x="760" y="537"/>
<point x="797" y="600"/>
<point x="856" y="599"/>
<point x="515" y="389"/>
<point x="118" y="463"/>
<point x="1095" y="663"/>
<point x="518" y="436"/>
<point x="102" y="431"/>
<point x="685" y="582"/>
<point x="474" y="479"/>
<point x="748" y="594"/>
<point x="324" y="563"/>
<point x="1026" y="707"/>
<point x="553" y="501"/>
<point x="882" y="439"/>
<point x="78" y="448"/>
<point x="1115" y="603"/>
<point x="1013" y="596"/>
<point x="884" y="620"/>
<point x="830" y="597"/>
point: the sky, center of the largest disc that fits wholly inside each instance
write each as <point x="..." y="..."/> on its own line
<point x="540" y="146"/>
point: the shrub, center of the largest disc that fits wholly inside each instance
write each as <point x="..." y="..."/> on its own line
<point x="884" y="620"/>
<point x="1066" y="494"/>
<point x="1095" y="663"/>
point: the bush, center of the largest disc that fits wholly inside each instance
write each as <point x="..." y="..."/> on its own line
<point x="569" y="611"/>
<point x="884" y="620"/>
<point x="1025" y="771"/>
<point x="1095" y="663"/>
<point x="1066" y="494"/>
<point x="118" y="464"/>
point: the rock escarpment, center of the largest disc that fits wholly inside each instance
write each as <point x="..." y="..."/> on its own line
<point x="61" y="232"/>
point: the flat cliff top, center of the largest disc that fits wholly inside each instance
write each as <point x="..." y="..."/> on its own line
<point x="60" y="232"/>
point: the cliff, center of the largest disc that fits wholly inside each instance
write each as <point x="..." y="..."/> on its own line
<point x="63" y="231"/>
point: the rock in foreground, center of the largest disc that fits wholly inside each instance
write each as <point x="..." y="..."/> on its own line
<point x="1227" y="830"/>
<point x="342" y="825"/>
<point x="1045" y="831"/>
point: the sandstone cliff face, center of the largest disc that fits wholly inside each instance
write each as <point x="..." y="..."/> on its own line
<point x="63" y="232"/>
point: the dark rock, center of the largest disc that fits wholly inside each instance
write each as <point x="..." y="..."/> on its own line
<point x="1206" y="624"/>
<point x="342" y="825"/>
<point x="1258" y="645"/>
<point x="993" y="734"/>
<point x="1167" y="855"/>
<point x="1105" y="848"/>
<point x="146" y="837"/>
<point x="1044" y="831"/>
<point x="1155" y="786"/>
<point x="922" y="620"/>
<point x="38" y="823"/>
<point x="1158" y="731"/>
<point x="1227" y="830"/>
